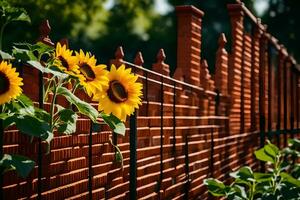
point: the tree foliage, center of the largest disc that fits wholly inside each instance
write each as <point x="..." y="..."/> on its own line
<point x="136" y="25"/>
<point x="283" y="19"/>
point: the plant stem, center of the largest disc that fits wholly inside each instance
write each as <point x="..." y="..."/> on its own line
<point x="1" y="34"/>
<point x="1" y="155"/>
<point x="50" y="81"/>
<point x="75" y="87"/>
<point x="276" y="174"/>
<point x="52" y="107"/>
<point x="252" y="189"/>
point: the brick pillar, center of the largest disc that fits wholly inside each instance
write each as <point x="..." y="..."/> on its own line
<point x="254" y="78"/>
<point x="221" y="71"/>
<point x="189" y="21"/>
<point x="235" y="65"/>
<point x="246" y="92"/>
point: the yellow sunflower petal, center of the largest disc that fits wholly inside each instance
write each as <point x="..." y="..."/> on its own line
<point x="10" y="83"/>
<point x="122" y="95"/>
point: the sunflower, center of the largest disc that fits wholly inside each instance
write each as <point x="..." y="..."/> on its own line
<point x="10" y="83"/>
<point x="122" y="95"/>
<point x="92" y="77"/>
<point x="65" y="61"/>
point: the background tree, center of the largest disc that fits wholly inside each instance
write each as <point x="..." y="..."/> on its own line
<point x="283" y="20"/>
<point x="136" y="25"/>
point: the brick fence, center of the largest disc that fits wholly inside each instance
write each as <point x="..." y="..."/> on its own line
<point x="191" y="126"/>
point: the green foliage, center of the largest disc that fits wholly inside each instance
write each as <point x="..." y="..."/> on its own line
<point x="9" y="14"/>
<point x="26" y="118"/>
<point x="281" y="182"/>
<point x="114" y="123"/>
<point x="83" y="107"/>
<point x="66" y="121"/>
<point x="21" y="164"/>
<point x="215" y="187"/>
<point x="36" y="122"/>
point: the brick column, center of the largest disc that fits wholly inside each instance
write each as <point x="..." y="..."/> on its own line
<point x="235" y="65"/>
<point x="254" y="78"/>
<point x="189" y="21"/>
<point x="221" y="71"/>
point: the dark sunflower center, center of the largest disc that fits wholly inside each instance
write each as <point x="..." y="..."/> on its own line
<point x="4" y="83"/>
<point x="87" y="71"/>
<point x="64" y="62"/>
<point x="117" y="92"/>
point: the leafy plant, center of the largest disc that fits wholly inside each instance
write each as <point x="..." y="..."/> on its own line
<point x="281" y="181"/>
<point x="63" y="74"/>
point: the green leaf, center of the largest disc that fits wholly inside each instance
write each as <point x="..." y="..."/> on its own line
<point x="263" y="177"/>
<point x="295" y="143"/>
<point x="83" y="107"/>
<point x="67" y="121"/>
<point x="244" y="174"/>
<point x="271" y="150"/>
<point x="9" y="13"/>
<point x="6" y="56"/>
<point x="261" y="155"/>
<point x="42" y="115"/>
<point x="26" y="101"/>
<point x="21" y="164"/>
<point x="289" y="192"/>
<point x="23" y="54"/>
<point x="4" y="116"/>
<point x="41" y="48"/>
<point x="215" y="187"/>
<point x="288" y="178"/>
<point x="32" y="126"/>
<point x="18" y="14"/>
<point x="114" y="123"/>
<point x="240" y="192"/>
<point x="43" y="69"/>
<point x="296" y="171"/>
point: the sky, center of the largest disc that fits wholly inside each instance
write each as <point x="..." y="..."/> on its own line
<point x="162" y="6"/>
<point x="261" y="6"/>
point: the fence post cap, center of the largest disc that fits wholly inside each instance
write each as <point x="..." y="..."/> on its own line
<point x="222" y="40"/>
<point x="139" y="60"/>
<point x="189" y="9"/>
<point x="160" y="65"/>
<point x="45" y="30"/>
<point x="161" y="56"/>
<point x="119" y="54"/>
<point x="235" y="9"/>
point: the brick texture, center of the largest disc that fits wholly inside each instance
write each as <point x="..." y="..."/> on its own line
<point x="191" y="126"/>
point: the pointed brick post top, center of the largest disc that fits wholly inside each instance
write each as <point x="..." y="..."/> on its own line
<point x="45" y="30"/>
<point x="188" y="9"/>
<point x="204" y="76"/>
<point x="119" y="55"/>
<point x="222" y="40"/>
<point x="139" y="60"/>
<point x="236" y="9"/>
<point x="161" y="56"/>
<point x="160" y="65"/>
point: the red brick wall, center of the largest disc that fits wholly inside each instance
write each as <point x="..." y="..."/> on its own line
<point x="215" y="121"/>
